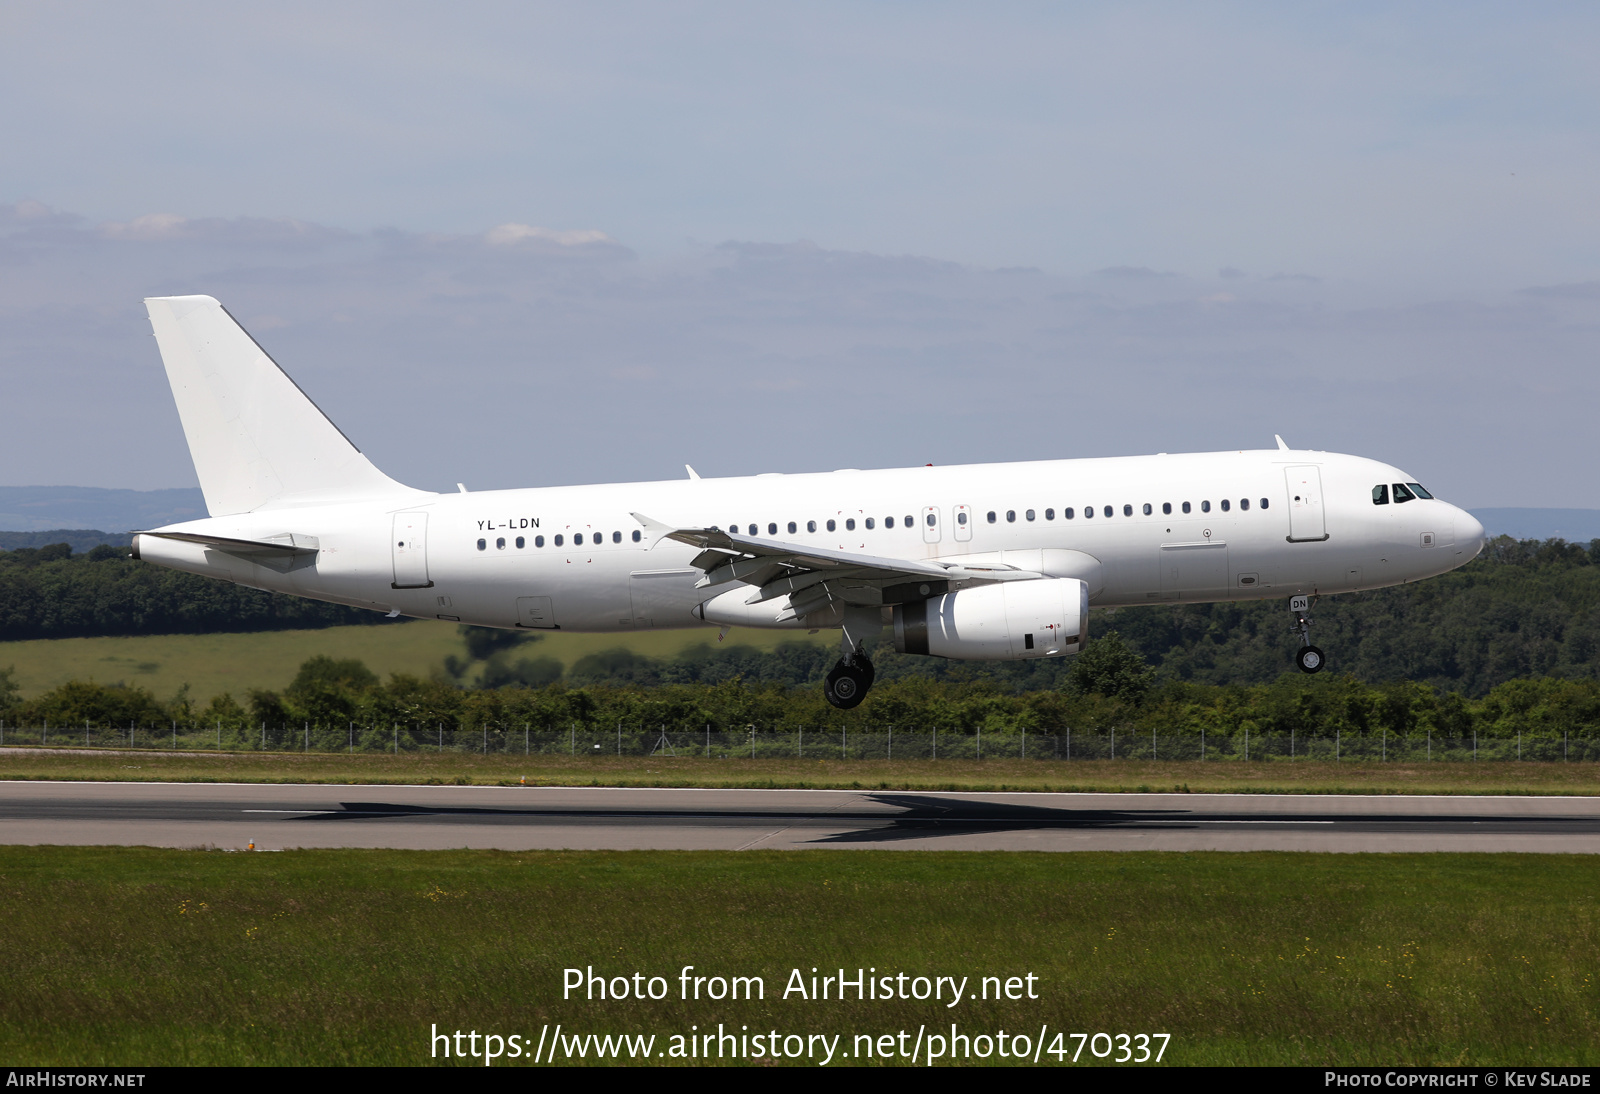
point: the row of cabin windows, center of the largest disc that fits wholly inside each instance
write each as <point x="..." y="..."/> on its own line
<point x="1070" y="513"/>
<point x="1403" y="491"/>
<point x="596" y="538"/>
<point x="832" y="525"/>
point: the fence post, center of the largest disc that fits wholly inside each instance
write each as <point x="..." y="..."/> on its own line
<point x="619" y="741"/>
<point x="1069" y="742"/>
<point x="308" y="737"/>
<point x="980" y="748"/>
<point x="1336" y="734"/>
<point x="1430" y="744"/>
<point x="1383" y="757"/>
<point x="1113" y="745"/>
<point x="1247" y="743"/>
<point x="352" y="746"/>
<point x="1202" y="744"/>
<point x="1474" y="744"/>
<point x="1152" y="743"/>
<point x="936" y="742"/>
<point x="1025" y="742"/>
<point x="1519" y="746"/>
<point x="525" y="739"/>
<point x="802" y="752"/>
<point x="891" y="742"/>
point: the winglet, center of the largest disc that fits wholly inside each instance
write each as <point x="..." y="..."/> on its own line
<point x="1281" y="446"/>
<point x="654" y="530"/>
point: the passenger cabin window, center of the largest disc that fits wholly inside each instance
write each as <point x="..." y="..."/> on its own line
<point x="577" y="539"/>
<point x="909" y="520"/>
<point x="1166" y="508"/>
<point x="1402" y="494"/>
<point x="850" y="524"/>
<point x="521" y="543"/>
<point x="888" y="522"/>
<point x="932" y="520"/>
<point x="616" y="537"/>
<point x="871" y="524"/>
<point x="1244" y="503"/>
<point x="1127" y="510"/>
<point x="1226" y="505"/>
<point x="1108" y="510"/>
<point x="1205" y="507"/>
<point x="792" y="528"/>
<point x="961" y="518"/>
<point x="811" y="526"/>
<point x="1380" y="494"/>
<point x="832" y="526"/>
<point x="1263" y="503"/>
<point x="772" y="529"/>
<point x="483" y="544"/>
<point x="1185" y="507"/>
<point x="500" y="544"/>
<point x="1067" y="513"/>
<point x="1088" y="512"/>
<point x="636" y="537"/>
<point x="558" y="541"/>
<point x="1011" y="516"/>
<point x="538" y="541"/>
<point x="991" y="516"/>
<point x="1148" y="509"/>
<point x="1028" y="514"/>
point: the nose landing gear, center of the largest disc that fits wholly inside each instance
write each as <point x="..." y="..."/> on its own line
<point x="1308" y="657"/>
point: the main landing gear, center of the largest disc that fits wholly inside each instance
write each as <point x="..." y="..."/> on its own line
<point x="1308" y="657"/>
<point x="850" y="680"/>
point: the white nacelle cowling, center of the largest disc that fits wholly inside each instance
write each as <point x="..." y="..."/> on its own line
<point x="1010" y="621"/>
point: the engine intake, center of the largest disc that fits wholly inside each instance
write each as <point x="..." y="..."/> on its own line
<point x="1011" y="621"/>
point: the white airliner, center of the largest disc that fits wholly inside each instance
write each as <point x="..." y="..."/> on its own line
<point x="982" y="562"/>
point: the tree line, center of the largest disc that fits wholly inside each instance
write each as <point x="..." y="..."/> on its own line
<point x="1110" y="686"/>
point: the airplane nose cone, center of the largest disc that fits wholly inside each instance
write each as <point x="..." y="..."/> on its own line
<point x="1470" y="536"/>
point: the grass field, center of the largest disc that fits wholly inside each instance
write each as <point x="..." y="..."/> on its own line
<point x="139" y="957"/>
<point x="215" y="663"/>
<point x="1305" y="777"/>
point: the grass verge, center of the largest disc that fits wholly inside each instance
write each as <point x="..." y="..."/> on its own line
<point x="145" y="957"/>
<point x="1265" y="777"/>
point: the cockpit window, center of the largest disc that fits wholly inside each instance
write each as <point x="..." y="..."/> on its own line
<point x="1416" y="488"/>
<point x="1380" y="494"/>
<point x="1402" y="494"/>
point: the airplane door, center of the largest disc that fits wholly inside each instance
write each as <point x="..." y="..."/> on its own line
<point x="930" y="524"/>
<point x="1306" y="524"/>
<point x="536" y="612"/>
<point x="1193" y="569"/>
<point x="410" y="547"/>
<point x="963" y="518"/>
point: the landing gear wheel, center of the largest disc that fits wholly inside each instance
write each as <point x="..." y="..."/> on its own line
<point x="846" y="685"/>
<point x="1310" y="659"/>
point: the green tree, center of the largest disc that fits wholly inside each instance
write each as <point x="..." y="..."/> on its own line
<point x="1110" y="668"/>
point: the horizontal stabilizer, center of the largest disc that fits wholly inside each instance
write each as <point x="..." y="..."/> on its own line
<point x="284" y="543"/>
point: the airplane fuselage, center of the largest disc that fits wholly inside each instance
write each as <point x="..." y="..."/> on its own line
<point x="1137" y="530"/>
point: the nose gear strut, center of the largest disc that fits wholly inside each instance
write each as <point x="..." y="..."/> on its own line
<point x="1308" y="657"/>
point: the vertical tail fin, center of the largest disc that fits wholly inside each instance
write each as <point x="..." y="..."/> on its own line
<point x="255" y="438"/>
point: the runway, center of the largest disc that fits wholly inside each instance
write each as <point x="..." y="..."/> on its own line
<point x="591" y="818"/>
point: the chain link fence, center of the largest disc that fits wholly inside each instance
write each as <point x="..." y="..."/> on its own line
<point x="822" y="742"/>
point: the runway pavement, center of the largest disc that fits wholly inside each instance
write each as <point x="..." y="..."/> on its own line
<point x="524" y="818"/>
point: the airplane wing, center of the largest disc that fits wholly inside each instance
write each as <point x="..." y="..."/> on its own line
<point x="812" y="577"/>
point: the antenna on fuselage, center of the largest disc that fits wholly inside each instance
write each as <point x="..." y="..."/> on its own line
<point x="693" y="474"/>
<point x="1281" y="446"/>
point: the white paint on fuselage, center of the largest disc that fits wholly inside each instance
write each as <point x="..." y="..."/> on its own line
<point x="592" y="587"/>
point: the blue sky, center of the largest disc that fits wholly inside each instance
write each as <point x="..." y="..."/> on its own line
<point x="522" y="244"/>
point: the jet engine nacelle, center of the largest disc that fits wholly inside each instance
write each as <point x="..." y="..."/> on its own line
<point x="1010" y="621"/>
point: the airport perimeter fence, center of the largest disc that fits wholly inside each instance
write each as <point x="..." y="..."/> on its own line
<point x="822" y="743"/>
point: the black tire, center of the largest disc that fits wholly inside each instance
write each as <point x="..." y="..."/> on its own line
<point x="845" y="686"/>
<point x="1310" y="659"/>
